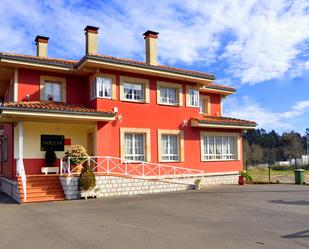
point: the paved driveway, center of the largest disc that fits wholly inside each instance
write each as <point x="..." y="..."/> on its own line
<point x="266" y="216"/>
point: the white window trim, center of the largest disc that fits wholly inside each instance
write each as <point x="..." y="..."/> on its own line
<point x="103" y="75"/>
<point x="224" y="134"/>
<point x="133" y="80"/>
<point x="188" y="100"/>
<point x="62" y="81"/>
<point x="147" y="143"/>
<point x="176" y="86"/>
<point x="180" y="134"/>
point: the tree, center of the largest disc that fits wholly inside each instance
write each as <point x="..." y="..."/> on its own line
<point x="293" y="145"/>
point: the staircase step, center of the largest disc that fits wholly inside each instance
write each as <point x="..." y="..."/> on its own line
<point x="42" y="188"/>
<point x="43" y="199"/>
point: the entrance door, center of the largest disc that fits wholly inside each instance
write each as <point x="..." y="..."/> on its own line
<point x="90" y="143"/>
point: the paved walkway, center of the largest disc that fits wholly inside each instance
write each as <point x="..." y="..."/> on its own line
<point x="265" y="216"/>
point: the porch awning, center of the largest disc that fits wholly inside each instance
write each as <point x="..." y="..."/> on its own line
<point x="31" y="110"/>
<point x="222" y="122"/>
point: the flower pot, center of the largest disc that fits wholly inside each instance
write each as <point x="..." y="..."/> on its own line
<point x="77" y="168"/>
<point x="241" y="180"/>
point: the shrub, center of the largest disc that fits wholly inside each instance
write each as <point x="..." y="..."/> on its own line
<point x="50" y="158"/>
<point x="198" y="183"/>
<point x="86" y="179"/>
<point x="77" y="154"/>
<point x="246" y="175"/>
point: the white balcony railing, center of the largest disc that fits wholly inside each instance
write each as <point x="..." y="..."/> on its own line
<point x="136" y="169"/>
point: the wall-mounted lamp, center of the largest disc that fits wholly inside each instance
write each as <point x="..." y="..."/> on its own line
<point x="119" y="118"/>
<point x="27" y="97"/>
<point x="184" y="123"/>
<point x="115" y="109"/>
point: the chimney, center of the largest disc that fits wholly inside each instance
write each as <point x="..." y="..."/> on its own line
<point x="151" y="47"/>
<point x="41" y="45"/>
<point x="91" y="40"/>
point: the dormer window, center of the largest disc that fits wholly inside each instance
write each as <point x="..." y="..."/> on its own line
<point x="52" y="89"/>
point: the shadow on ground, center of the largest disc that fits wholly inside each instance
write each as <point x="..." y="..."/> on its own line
<point x="4" y="199"/>
<point x="301" y="234"/>
<point x="300" y="202"/>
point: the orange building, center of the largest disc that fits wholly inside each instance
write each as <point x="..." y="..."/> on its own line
<point x="120" y="108"/>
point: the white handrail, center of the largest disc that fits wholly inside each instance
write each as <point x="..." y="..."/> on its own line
<point x="21" y="172"/>
<point x="139" y="169"/>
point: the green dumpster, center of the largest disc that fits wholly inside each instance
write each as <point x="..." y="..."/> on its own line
<point x="299" y="176"/>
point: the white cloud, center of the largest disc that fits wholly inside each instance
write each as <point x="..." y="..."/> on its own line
<point x="259" y="40"/>
<point x="246" y="108"/>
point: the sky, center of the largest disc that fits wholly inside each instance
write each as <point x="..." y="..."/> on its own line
<point x="260" y="47"/>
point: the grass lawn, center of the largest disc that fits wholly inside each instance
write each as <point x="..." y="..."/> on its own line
<point x="283" y="176"/>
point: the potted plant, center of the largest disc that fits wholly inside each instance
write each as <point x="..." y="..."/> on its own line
<point x="87" y="182"/>
<point x="244" y="177"/>
<point x="50" y="161"/>
<point x="77" y="155"/>
<point x="198" y="184"/>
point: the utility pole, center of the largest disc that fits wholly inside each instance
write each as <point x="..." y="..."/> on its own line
<point x="307" y="141"/>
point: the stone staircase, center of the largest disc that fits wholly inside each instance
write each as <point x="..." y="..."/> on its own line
<point x="41" y="188"/>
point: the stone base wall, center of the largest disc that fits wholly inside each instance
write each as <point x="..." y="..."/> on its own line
<point x="10" y="188"/>
<point x="107" y="186"/>
<point x="221" y="178"/>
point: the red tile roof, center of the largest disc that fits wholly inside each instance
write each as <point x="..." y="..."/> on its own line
<point x="39" y="59"/>
<point x="205" y="119"/>
<point x="72" y="63"/>
<point x="116" y="59"/>
<point x="220" y="87"/>
<point x="52" y="107"/>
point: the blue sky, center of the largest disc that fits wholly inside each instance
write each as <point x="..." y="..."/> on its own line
<point x="260" y="47"/>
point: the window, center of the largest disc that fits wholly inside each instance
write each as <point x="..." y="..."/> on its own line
<point x="170" y="148"/>
<point x="53" y="91"/>
<point x="204" y="104"/>
<point x="168" y="95"/>
<point x="193" y="98"/>
<point x="133" y="91"/>
<point x="102" y="87"/>
<point x="134" y="146"/>
<point x="219" y="148"/>
<point x="52" y="88"/>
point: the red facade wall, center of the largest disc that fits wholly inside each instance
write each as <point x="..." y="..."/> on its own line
<point x="29" y="83"/>
<point x="8" y="167"/>
<point x="154" y="116"/>
<point x="134" y="115"/>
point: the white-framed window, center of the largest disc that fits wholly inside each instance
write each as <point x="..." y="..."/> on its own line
<point x="53" y="91"/>
<point x="202" y="105"/>
<point x="170" y="147"/>
<point x="134" y="91"/>
<point x="134" y="146"/>
<point x="219" y="147"/>
<point x="193" y="97"/>
<point x="168" y="95"/>
<point x="101" y="87"/>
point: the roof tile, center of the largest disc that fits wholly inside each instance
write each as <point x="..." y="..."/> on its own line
<point x="223" y="120"/>
<point x="51" y="106"/>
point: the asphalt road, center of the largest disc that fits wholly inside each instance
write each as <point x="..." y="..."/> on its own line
<point x="265" y="216"/>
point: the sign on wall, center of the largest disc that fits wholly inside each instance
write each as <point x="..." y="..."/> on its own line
<point x="52" y="142"/>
